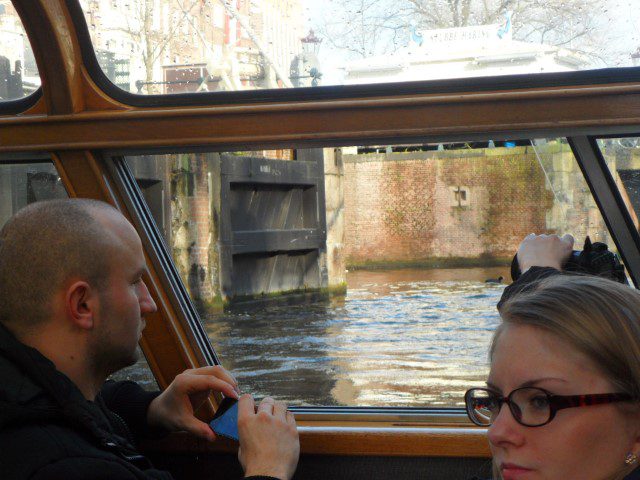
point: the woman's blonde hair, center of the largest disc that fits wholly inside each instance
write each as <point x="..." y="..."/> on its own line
<point x="598" y="317"/>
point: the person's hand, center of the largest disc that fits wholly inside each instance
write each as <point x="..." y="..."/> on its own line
<point x="173" y="409"/>
<point x="269" y="442"/>
<point x="544" y="251"/>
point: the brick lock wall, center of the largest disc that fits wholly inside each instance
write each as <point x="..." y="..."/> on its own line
<point x="192" y="224"/>
<point x="395" y="208"/>
<point x="401" y="207"/>
<point x="388" y="214"/>
<point x="201" y="220"/>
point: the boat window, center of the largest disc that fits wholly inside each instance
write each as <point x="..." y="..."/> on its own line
<point x="18" y="70"/>
<point x="178" y="46"/>
<point x="622" y="157"/>
<point x="363" y="275"/>
<point x="25" y="182"/>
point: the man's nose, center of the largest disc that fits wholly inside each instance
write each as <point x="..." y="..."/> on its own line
<point x="147" y="305"/>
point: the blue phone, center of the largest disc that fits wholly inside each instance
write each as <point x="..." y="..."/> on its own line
<point x="225" y="421"/>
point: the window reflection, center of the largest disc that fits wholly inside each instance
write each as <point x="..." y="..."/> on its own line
<point x="18" y="71"/>
<point x="622" y="156"/>
<point x="24" y="183"/>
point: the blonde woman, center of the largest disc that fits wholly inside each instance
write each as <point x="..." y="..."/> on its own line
<point x="562" y="396"/>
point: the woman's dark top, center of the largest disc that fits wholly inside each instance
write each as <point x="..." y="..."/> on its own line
<point x="527" y="281"/>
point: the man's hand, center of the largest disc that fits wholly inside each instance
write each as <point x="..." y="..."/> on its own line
<point x="544" y="251"/>
<point x="269" y="443"/>
<point x="173" y="409"/>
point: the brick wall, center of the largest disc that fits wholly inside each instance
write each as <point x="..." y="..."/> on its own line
<point x="192" y="224"/>
<point x="396" y="208"/>
<point x="388" y="208"/>
<point x="407" y="207"/>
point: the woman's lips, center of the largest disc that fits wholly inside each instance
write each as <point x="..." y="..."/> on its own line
<point x="511" y="471"/>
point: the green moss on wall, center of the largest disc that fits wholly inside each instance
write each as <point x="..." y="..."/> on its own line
<point x="292" y="296"/>
<point x="433" y="262"/>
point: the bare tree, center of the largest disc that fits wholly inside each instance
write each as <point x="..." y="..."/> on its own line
<point x="364" y="27"/>
<point x="153" y="39"/>
<point x="367" y="27"/>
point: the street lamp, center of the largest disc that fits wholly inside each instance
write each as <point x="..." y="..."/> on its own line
<point x="309" y="57"/>
<point x="306" y="65"/>
<point x="311" y="43"/>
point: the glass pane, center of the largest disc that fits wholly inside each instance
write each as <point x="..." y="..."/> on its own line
<point x="25" y="183"/>
<point x="18" y="71"/>
<point x="360" y="276"/>
<point x="622" y="155"/>
<point x="176" y="46"/>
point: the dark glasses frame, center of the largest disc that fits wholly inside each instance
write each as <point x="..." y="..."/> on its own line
<point x="556" y="402"/>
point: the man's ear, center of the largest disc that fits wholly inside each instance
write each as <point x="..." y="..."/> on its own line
<point x="81" y="304"/>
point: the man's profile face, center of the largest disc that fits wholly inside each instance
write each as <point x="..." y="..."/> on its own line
<point x="124" y="300"/>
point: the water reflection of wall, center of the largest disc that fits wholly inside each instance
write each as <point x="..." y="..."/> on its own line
<point x="476" y="204"/>
<point x="280" y="349"/>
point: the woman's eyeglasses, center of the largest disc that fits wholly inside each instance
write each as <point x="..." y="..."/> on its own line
<point x="530" y="406"/>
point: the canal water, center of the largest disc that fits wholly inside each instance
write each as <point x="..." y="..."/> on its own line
<point x="398" y="338"/>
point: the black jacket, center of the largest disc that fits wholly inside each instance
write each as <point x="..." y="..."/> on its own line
<point x="48" y="430"/>
<point x="527" y="281"/>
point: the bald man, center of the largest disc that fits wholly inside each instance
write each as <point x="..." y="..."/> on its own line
<point x="72" y="308"/>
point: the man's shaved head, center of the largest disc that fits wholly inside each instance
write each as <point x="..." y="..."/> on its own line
<point x="45" y="245"/>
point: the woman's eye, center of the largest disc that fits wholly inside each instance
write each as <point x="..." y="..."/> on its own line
<point x="539" y="402"/>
